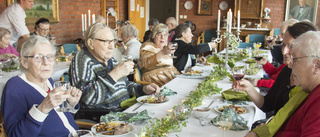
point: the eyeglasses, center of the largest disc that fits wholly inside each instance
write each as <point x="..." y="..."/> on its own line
<point x="293" y="59"/>
<point x="44" y="29"/>
<point x="40" y="58"/>
<point x="107" y="41"/>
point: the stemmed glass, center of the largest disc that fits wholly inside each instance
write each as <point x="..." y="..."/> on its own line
<point x="238" y="73"/>
<point x="174" y="45"/>
<point x="225" y="123"/>
<point x="66" y="85"/>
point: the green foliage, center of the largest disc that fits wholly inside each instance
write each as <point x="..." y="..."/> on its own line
<point x="40" y="7"/>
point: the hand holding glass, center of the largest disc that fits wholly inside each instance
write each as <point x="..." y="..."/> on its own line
<point x="66" y="85"/>
<point x="127" y="58"/>
<point x="174" y="46"/>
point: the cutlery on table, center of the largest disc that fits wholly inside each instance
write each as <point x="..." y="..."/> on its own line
<point x="139" y="105"/>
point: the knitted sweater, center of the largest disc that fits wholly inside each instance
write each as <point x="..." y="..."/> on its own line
<point x="99" y="90"/>
<point x="23" y="119"/>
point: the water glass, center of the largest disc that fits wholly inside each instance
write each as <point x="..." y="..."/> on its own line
<point x="66" y="85"/>
<point x="81" y="133"/>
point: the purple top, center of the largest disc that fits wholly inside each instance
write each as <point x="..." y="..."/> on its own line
<point x="9" y="49"/>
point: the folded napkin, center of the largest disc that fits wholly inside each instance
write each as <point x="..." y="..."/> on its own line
<point x="127" y="117"/>
<point x="167" y="92"/>
<point x="238" y="122"/>
<point x="234" y="95"/>
<point x="215" y="59"/>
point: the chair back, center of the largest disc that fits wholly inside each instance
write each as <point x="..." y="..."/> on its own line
<point x="245" y="45"/>
<point x="276" y="31"/>
<point x="256" y="38"/>
<point x="137" y="76"/>
<point x="69" y="48"/>
<point x="206" y="36"/>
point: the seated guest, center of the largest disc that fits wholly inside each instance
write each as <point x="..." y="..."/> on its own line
<point x="271" y="70"/>
<point x="301" y="115"/>
<point x="6" y="50"/>
<point x="92" y="70"/>
<point x="155" y="60"/>
<point x="129" y="34"/>
<point x="278" y="95"/>
<point x="151" y="24"/>
<point x="42" y="28"/>
<point x="29" y="101"/>
<point x="171" y="22"/>
<point x="185" y="49"/>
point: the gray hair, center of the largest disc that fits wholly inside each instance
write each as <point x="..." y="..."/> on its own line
<point x="3" y="31"/>
<point x="173" y="20"/>
<point x="29" y="45"/>
<point x="159" y="29"/>
<point x="153" y="22"/>
<point x="307" y="44"/>
<point x="93" y="29"/>
<point x="100" y="19"/>
<point x="129" y="31"/>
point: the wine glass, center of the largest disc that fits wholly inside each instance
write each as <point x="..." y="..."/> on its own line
<point x="238" y="73"/>
<point x="225" y="123"/>
<point x="64" y="106"/>
<point x="81" y="133"/>
<point x="126" y="58"/>
<point x="174" y="46"/>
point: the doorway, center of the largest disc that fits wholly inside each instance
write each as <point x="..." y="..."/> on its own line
<point x="162" y="9"/>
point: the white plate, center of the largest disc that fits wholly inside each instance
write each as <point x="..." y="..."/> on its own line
<point x="191" y="77"/>
<point x="216" y="108"/>
<point x="143" y="97"/>
<point x="129" y="129"/>
<point x="184" y="73"/>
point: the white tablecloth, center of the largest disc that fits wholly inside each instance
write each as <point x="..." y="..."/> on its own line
<point x="58" y="70"/>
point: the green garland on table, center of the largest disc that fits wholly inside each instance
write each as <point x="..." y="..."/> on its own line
<point x="173" y="122"/>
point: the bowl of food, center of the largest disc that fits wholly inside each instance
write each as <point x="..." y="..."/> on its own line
<point x="113" y="128"/>
<point x="201" y="112"/>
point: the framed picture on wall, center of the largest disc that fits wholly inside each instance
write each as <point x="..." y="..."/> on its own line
<point x="302" y="9"/>
<point x="42" y="9"/>
<point x="205" y="7"/>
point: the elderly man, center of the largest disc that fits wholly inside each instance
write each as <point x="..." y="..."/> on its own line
<point x="151" y="24"/>
<point x="42" y="28"/>
<point x="13" y="19"/>
<point x="302" y="11"/>
<point x="171" y="22"/>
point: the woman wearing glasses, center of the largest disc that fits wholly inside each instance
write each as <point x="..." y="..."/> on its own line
<point x="92" y="70"/>
<point x="155" y="61"/>
<point x="42" y="28"/>
<point x="29" y="101"/>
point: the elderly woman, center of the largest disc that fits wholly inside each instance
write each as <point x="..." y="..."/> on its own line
<point x="92" y="70"/>
<point x="279" y="93"/>
<point x="271" y="70"/>
<point x="129" y="34"/>
<point x="155" y="61"/>
<point x="6" y="50"/>
<point x="183" y="38"/>
<point x="29" y="101"/>
<point x="42" y="28"/>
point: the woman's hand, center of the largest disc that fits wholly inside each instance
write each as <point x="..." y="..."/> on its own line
<point x="201" y="60"/>
<point x="263" y="61"/>
<point x="7" y="55"/>
<point x="243" y="85"/>
<point x="53" y="99"/>
<point x="122" y="70"/>
<point x="251" y="134"/>
<point x="75" y="96"/>
<point x="167" y="50"/>
<point x="151" y="89"/>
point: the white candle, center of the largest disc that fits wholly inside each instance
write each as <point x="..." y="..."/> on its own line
<point x="89" y="16"/>
<point x="218" y="27"/>
<point x="85" y="22"/>
<point x="238" y="20"/>
<point x="230" y="20"/>
<point x="93" y="18"/>
<point x="82" y="22"/>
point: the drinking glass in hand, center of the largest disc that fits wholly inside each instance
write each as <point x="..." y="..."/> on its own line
<point x="238" y="73"/>
<point x="127" y="58"/>
<point x="174" y="46"/>
<point x="225" y="123"/>
<point x="66" y="85"/>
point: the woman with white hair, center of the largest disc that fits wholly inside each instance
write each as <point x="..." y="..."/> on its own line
<point x="129" y="34"/>
<point x="29" y="101"/>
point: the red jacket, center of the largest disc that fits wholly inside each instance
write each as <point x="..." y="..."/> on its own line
<point x="272" y="72"/>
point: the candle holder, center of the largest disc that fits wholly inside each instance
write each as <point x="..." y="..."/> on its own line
<point x="230" y="39"/>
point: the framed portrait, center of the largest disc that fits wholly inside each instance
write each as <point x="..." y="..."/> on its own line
<point x="205" y="7"/>
<point x="302" y="9"/>
<point x="42" y="9"/>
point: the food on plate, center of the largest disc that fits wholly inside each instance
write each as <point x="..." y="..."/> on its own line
<point x="114" y="127"/>
<point x="239" y="110"/>
<point x="194" y="72"/>
<point x="154" y="99"/>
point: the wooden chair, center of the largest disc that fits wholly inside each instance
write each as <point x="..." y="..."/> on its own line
<point x="69" y="48"/>
<point x="256" y="38"/>
<point x="85" y="124"/>
<point x="137" y="76"/>
<point x="206" y="36"/>
<point x="245" y="45"/>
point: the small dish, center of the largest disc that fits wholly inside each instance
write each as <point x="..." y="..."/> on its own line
<point x="239" y="109"/>
<point x="201" y="112"/>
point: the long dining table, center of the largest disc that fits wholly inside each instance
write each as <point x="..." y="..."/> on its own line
<point x="183" y="86"/>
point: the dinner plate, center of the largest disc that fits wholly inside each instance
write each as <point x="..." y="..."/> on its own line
<point x="216" y="108"/>
<point x="186" y="74"/>
<point x="130" y="128"/>
<point x="143" y="97"/>
<point x="191" y="77"/>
